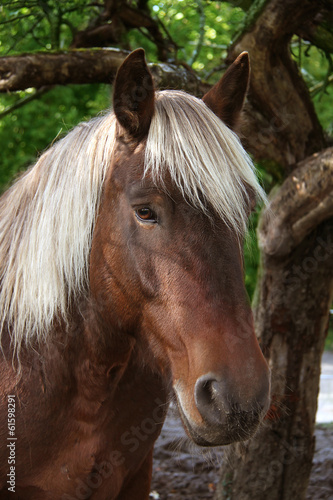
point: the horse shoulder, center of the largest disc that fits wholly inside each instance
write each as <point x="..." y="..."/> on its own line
<point x="77" y="428"/>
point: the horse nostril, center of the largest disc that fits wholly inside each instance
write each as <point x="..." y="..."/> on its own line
<point x="230" y="409"/>
<point x="204" y="394"/>
<point x="209" y="398"/>
<point x="216" y="400"/>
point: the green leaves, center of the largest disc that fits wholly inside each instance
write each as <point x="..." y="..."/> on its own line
<point x="205" y="27"/>
<point x="27" y="26"/>
<point x="25" y="133"/>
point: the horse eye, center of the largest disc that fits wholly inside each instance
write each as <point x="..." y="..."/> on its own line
<point x="146" y="214"/>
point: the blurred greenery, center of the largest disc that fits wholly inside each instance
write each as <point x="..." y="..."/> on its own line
<point x="201" y="29"/>
<point x="25" y="133"/>
<point x="30" y="25"/>
<point x="220" y="22"/>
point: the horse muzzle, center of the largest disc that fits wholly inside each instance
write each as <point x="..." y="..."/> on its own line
<point x="225" y="416"/>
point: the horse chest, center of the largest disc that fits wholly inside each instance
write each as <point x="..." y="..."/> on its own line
<point x="71" y="444"/>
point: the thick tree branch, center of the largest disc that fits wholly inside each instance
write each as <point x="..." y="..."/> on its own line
<point x="61" y="68"/>
<point x="281" y="123"/>
<point x="320" y="35"/>
<point x="317" y="30"/>
<point x="84" y="66"/>
<point x="303" y="202"/>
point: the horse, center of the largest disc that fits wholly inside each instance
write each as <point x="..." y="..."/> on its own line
<point x="122" y="287"/>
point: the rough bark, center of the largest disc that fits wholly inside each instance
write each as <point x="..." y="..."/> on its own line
<point x="296" y="288"/>
<point x="304" y="202"/>
<point x="281" y="124"/>
<point x="85" y="66"/>
<point x="318" y="30"/>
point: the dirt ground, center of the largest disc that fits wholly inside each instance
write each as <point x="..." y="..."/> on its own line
<point x="182" y="472"/>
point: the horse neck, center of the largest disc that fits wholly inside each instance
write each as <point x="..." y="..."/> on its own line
<point x="103" y="343"/>
<point x="88" y="351"/>
<point x="80" y="353"/>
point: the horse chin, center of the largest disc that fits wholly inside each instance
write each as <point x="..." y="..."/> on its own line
<point x="233" y="430"/>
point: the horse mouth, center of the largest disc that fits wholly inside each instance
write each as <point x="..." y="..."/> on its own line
<point x="238" y="426"/>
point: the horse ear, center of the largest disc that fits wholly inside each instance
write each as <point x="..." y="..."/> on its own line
<point x="226" y="97"/>
<point x="133" y="96"/>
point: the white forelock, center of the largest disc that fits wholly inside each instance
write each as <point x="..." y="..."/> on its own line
<point x="204" y="157"/>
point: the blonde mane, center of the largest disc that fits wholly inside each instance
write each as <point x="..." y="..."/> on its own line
<point x="46" y="224"/>
<point x="47" y="217"/>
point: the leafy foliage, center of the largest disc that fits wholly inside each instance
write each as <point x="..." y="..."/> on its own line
<point x="30" y="25"/>
<point x="202" y="31"/>
<point x="26" y="132"/>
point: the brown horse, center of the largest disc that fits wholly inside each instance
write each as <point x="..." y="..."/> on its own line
<point x="122" y="279"/>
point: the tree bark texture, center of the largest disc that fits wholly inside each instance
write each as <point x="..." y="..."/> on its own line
<point x="281" y="125"/>
<point x="318" y="30"/>
<point x="295" y="286"/>
<point x="85" y="66"/>
<point x="291" y="315"/>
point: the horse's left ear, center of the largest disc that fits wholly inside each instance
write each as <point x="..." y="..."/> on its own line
<point x="226" y="97"/>
<point x="133" y="96"/>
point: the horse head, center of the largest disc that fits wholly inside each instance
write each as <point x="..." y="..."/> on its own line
<point x="166" y="265"/>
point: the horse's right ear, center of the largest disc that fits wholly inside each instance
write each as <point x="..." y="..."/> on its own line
<point x="226" y="97"/>
<point x="133" y="96"/>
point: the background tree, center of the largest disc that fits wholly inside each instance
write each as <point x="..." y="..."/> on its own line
<point x="47" y="46"/>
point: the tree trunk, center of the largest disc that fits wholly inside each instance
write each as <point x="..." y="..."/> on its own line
<point x="281" y="124"/>
<point x="295" y="287"/>
<point x="295" y="291"/>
